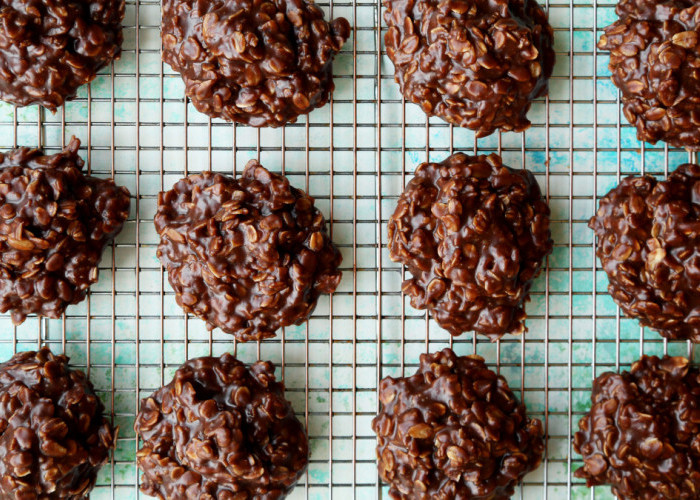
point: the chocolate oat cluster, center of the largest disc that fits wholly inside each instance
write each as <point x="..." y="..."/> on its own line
<point x="54" y="224"/>
<point x="474" y="63"/>
<point x="221" y="430"/>
<point x="473" y="233"/>
<point x="53" y="435"/>
<point x="49" y="48"/>
<point x="247" y="255"/>
<point x="258" y="62"/>
<point x="642" y="433"/>
<point x="454" y="430"/>
<point x="654" y="56"/>
<point x="649" y="246"/>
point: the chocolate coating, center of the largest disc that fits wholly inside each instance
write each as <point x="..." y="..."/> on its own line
<point x="474" y="63"/>
<point x="454" y="430"/>
<point x="220" y="430"/>
<point x="248" y="255"/>
<point x="53" y="435"/>
<point x="473" y="233"/>
<point x="258" y="62"/>
<point x="54" y="224"/>
<point x="642" y="433"/>
<point x="649" y="245"/>
<point x="654" y="56"/>
<point x="50" y="48"/>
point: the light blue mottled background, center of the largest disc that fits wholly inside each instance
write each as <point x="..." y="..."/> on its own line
<point x="131" y="335"/>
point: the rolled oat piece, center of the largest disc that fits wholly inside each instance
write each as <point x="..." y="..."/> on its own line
<point x="473" y="233"/>
<point x="54" y="224"/>
<point x="54" y="436"/>
<point x="220" y="430"/>
<point x="474" y="63"/>
<point x="642" y="433"/>
<point x="454" y="429"/>
<point x="654" y="55"/>
<point x="648" y="238"/>
<point x="49" y="48"/>
<point x="247" y="255"/>
<point x="258" y="62"/>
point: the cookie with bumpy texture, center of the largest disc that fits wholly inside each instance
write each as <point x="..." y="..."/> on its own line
<point x="473" y="233"/>
<point x="220" y="430"/>
<point x="54" y="436"/>
<point x="642" y="433"/>
<point x="49" y="48"/>
<point x="454" y="429"/>
<point x="648" y="245"/>
<point x="55" y="222"/>
<point x="474" y="63"/>
<point x="258" y="62"/>
<point x="248" y="255"/>
<point x="654" y="55"/>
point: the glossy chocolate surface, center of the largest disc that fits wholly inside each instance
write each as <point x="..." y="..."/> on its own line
<point x="53" y="435"/>
<point x="248" y="255"/>
<point x="49" y="48"/>
<point x="642" y="433"/>
<point x="473" y="233"/>
<point x="257" y="62"/>
<point x="54" y="224"/>
<point x="655" y="60"/>
<point x="453" y="430"/>
<point x="648" y="244"/>
<point x="220" y="430"/>
<point x="474" y="63"/>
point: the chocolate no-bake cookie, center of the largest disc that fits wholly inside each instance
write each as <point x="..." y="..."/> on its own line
<point x="642" y="433"/>
<point x="474" y="63"/>
<point x="454" y="430"/>
<point x="54" y="224"/>
<point x="50" y="48"/>
<point x="649" y="245"/>
<point x="53" y="435"/>
<point x="220" y="430"/>
<point x="473" y="233"/>
<point x="258" y="62"/>
<point x="654" y="59"/>
<point x="248" y="255"/>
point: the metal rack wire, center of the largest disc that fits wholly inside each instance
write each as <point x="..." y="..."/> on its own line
<point x="354" y="156"/>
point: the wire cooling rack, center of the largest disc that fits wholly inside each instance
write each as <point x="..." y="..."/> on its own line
<point x="131" y="336"/>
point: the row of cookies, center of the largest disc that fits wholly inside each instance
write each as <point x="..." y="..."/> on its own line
<point x="224" y="430"/>
<point x="475" y="64"/>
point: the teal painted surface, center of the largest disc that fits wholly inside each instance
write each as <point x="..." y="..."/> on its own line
<point x="157" y="338"/>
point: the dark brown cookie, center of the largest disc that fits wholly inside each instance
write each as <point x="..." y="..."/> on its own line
<point x="50" y="48"/>
<point x="654" y="55"/>
<point x="53" y="435"/>
<point x="54" y="224"/>
<point x="258" y="62"/>
<point x="473" y="233"/>
<point x="220" y="430"/>
<point x="474" y="63"/>
<point x="649" y="245"/>
<point x="642" y="433"/>
<point x="454" y="430"/>
<point x="248" y="255"/>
